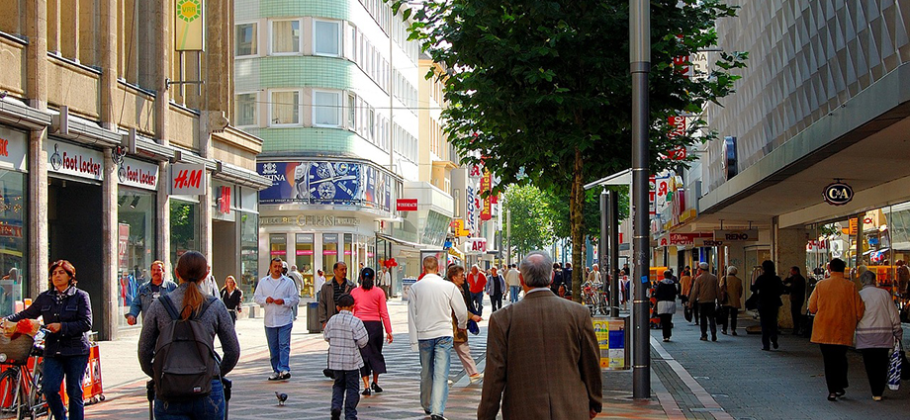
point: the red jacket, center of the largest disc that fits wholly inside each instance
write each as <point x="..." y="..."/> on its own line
<point x="477" y="282"/>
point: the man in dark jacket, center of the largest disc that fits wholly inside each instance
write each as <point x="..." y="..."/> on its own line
<point x="795" y="285"/>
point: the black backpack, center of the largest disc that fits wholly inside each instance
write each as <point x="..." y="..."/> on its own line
<point x="185" y="361"/>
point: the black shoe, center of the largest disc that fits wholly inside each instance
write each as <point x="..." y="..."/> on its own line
<point x="704" y="338"/>
<point x="713" y="337"/>
<point x="366" y="392"/>
<point x="336" y="414"/>
<point x="832" y="397"/>
<point x="840" y="393"/>
<point x="774" y="344"/>
<point x="328" y="373"/>
<point x="724" y="332"/>
<point x="376" y="387"/>
<point x="426" y="411"/>
<point x="283" y="376"/>
<point x="435" y="417"/>
<point x="734" y="332"/>
<point x="766" y="348"/>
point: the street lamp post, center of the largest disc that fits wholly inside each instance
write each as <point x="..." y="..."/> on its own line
<point x="640" y="66"/>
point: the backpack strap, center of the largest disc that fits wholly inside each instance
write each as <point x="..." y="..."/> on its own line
<point x="169" y="307"/>
<point x="209" y="300"/>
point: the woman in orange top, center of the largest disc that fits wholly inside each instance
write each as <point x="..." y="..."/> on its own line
<point x="837" y="308"/>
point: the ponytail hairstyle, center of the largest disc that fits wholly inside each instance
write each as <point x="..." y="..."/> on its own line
<point x="367" y="277"/>
<point x="192" y="268"/>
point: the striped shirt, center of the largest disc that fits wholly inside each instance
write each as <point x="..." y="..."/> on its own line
<point x="346" y="336"/>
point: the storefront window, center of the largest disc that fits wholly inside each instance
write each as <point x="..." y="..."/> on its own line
<point x="136" y="241"/>
<point x="305" y="261"/>
<point x="249" y="253"/>
<point x="184" y="228"/>
<point x="353" y="272"/>
<point x="330" y="253"/>
<point x="13" y="244"/>
<point x="278" y="246"/>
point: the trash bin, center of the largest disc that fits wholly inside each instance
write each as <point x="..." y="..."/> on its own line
<point x="312" y="318"/>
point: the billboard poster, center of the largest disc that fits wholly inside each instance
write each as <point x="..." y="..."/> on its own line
<point x="328" y="183"/>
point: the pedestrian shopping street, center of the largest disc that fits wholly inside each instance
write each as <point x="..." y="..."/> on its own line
<point x="727" y="379"/>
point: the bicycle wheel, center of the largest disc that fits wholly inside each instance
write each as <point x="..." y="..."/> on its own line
<point x="9" y="398"/>
<point x="36" y="401"/>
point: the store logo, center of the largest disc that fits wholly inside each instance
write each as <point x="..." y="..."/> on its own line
<point x="838" y="194"/>
<point x="121" y="173"/>
<point x="189" y="10"/>
<point x="56" y="160"/>
<point x="4" y="147"/>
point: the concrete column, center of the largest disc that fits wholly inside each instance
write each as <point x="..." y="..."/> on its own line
<point x="162" y="109"/>
<point x="36" y="89"/>
<point x="205" y="218"/>
<point x="164" y="218"/>
<point x="109" y="48"/>
<point x="36" y="76"/>
<point x="88" y="44"/>
<point x="789" y="250"/>
<point x="110" y="244"/>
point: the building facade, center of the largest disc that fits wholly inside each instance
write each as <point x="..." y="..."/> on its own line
<point x="829" y="106"/>
<point x="90" y="129"/>
<point x="332" y="89"/>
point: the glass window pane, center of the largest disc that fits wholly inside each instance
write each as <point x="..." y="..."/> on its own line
<point x="249" y="253"/>
<point x="184" y="229"/>
<point x="304" y="262"/>
<point x="246" y="109"/>
<point x="285" y="106"/>
<point x="286" y="36"/>
<point x="327" y="39"/>
<point x="13" y="240"/>
<point x="246" y="39"/>
<point x="327" y="108"/>
<point x="329" y="252"/>
<point x="136" y="242"/>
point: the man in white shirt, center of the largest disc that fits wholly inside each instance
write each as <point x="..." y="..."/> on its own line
<point x="385" y="282"/>
<point x="317" y="283"/>
<point x="514" y="283"/>
<point x="279" y="296"/>
<point x="209" y="286"/>
<point x="431" y="302"/>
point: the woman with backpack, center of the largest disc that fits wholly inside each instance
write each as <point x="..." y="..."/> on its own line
<point x="188" y="307"/>
<point x="67" y="312"/>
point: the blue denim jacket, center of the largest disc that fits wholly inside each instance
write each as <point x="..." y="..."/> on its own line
<point x="74" y="313"/>
<point x="144" y="297"/>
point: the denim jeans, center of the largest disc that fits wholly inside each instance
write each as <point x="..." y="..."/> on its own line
<point x="209" y="407"/>
<point x="279" y="339"/>
<point x="434" y="373"/>
<point x="478" y="302"/>
<point x="346" y="382"/>
<point x="55" y="368"/>
<point x="513" y="296"/>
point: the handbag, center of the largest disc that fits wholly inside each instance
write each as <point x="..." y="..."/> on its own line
<point x="752" y="302"/>
<point x="894" y="368"/>
<point x="687" y="312"/>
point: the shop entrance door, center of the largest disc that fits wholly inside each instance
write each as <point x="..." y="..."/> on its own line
<point x="75" y="234"/>
<point x="225" y="253"/>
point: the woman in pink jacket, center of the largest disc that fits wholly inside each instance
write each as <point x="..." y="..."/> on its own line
<point x="370" y="307"/>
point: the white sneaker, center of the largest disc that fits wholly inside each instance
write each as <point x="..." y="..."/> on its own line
<point x="476" y="378"/>
<point x="451" y="383"/>
<point x="274" y="376"/>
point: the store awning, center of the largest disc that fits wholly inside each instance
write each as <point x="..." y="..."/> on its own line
<point x="619" y="178"/>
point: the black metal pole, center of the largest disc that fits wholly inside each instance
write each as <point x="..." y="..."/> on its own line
<point x="640" y="66"/>
<point x="613" y="264"/>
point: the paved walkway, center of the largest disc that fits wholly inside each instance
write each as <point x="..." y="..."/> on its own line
<point x="691" y="379"/>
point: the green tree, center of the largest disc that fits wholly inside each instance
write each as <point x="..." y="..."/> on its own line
<point x="542" y="87"/>
<point x="530" y="220"/>
<point x="558" y="210"/>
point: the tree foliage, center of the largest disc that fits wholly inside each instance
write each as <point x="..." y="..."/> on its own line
<point x="558" y="208"/>
<point x="542" y="89"/>
<point x="529" y="218"/>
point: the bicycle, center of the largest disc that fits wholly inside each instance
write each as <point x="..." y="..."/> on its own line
<point x="21" y="395"/>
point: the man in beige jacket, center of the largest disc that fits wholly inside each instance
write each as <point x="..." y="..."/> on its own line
<point x="705" y="293"/>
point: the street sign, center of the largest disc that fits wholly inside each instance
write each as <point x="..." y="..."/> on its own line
<point x="744" y="235"/>
<point x="838" y="194"/>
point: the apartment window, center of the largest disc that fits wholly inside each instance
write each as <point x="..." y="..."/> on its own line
<point x="246" y="109"/>
<point x="352" y="112"/>
<point x="285" y="37"/>
<point x="326" y="109"/>
<point x="246" y="39"/>
<point x="327" y="37"/>
<point x="285" y="108"/>
<point x="353" y="43"/>
<point x="372" y="124"/>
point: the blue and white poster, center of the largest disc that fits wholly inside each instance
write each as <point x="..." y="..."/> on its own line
<point x="332" y="183"/>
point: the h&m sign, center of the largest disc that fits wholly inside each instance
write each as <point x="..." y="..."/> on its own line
<point x="188" y="179"/>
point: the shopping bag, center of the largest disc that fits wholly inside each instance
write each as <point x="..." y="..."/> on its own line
<point x="894" y="370"/>
<point x="687" y="312"/>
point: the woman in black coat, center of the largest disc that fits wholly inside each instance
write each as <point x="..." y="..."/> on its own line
<point x="67" y="312"/>
<point x="769" y="288"/>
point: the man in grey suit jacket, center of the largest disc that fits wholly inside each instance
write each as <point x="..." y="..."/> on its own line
<point x="530" y="383"/>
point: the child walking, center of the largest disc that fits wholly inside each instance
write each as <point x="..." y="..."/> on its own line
<point x="346" y="336"/>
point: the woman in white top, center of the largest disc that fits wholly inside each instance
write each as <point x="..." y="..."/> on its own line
<point x="876" y="332"/>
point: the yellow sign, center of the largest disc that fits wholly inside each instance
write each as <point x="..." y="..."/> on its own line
<point x="610" y="332"/>
<point x="189" y="25"/>
<point x="460" y="231"/>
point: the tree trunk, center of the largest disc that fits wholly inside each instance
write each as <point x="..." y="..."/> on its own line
<point x="577" y="223"/>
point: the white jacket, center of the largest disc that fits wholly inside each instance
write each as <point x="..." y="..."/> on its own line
<point x="880" y="322"/>
<point x="431" y="302"/>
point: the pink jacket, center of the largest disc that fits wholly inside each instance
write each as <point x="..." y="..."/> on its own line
<point x="369" y="305"/>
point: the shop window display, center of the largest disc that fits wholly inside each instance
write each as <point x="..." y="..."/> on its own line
<point x="249" y="253"/>
<point x="136" y="242"/>
<point x="13" y="242"/>
<point x="330" y="253"/>
<point x="304" y="261"/>
<point x="184" y="228"/>
<point x="353" y="272"/>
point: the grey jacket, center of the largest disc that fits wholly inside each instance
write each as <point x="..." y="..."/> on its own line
<point x="215" y="321"/>
<point x="326" y="307"/>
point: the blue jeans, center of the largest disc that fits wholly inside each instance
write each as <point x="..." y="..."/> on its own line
<point x="434" y="373"/>
<point x="279" y="339"/>
<point x="209" y="407"/>
<point x="73" y="368"/>
<point x="513" y="296"/>
<point x="346" y="382"/>
<point x="478" y="302"/>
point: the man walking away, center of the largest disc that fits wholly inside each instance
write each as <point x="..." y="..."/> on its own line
<point x="573" y="385"/>
<point x="795" y="285"/>
<point x="277" y="294"/>
<point x="431" y="303"/>
<point x="514" y="283"/>
<point x="705" y="292"/>
<point x="496" y="286"/>
<point x="477" y="281"/>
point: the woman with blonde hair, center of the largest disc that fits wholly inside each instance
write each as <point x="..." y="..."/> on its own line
<point x="732" y="288"/>
<point x="232" y="297"/>
<point x="191" y="303"/>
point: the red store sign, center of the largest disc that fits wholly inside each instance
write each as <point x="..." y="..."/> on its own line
<point x="406" y="204"/>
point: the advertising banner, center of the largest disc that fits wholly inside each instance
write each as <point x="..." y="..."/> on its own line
<point x="486" y="209"/>
<point x="331" y="183"/>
